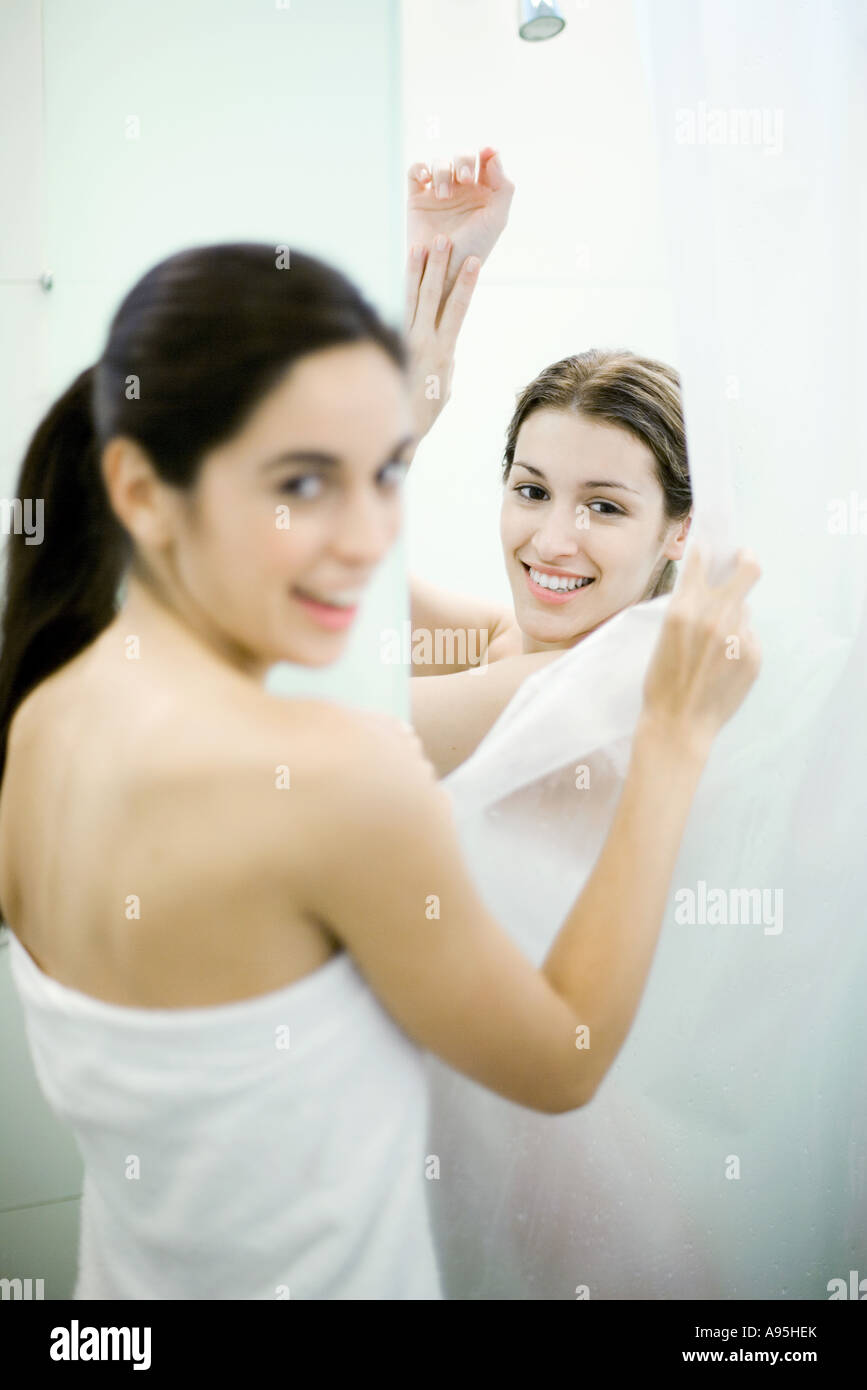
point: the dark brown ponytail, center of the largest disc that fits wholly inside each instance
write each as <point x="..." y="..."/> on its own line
<point x="60" y="591"/>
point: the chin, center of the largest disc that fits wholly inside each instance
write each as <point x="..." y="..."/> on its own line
<point x="545" y="631"/>
<point x="542" y="628"/>
<point x="317" y="654"/>
<point x="311" y="660"/>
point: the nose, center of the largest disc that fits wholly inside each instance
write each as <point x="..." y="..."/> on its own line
<point x="558" y="535"/>
<point x="364" y="529"/>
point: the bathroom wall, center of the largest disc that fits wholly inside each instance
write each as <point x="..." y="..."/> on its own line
<point x="128" y="132"/>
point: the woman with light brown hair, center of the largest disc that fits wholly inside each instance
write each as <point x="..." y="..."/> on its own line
<point x="596" y="492"/>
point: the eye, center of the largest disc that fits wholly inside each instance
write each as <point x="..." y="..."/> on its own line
<point x="612" y="510"/>
<point x="524" y="488"/>
<point x="305" y="485"/>
<point x="393" y="473"/>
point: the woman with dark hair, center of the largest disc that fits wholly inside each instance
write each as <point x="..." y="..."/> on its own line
<point x="238" y="919"/>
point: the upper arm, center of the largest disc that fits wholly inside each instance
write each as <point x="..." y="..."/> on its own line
<point x="452" y="714"/>
<point x="452" y="632"/>
<point x="383" y="871"/>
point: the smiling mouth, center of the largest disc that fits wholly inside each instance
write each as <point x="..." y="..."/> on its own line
<point x="334" y="613"/>
<point x="336" y="601"/>
<point x="555" y="588"/>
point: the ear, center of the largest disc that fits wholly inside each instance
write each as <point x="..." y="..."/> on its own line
<point x="675" y="538"/>
<point x="135" y="493"/>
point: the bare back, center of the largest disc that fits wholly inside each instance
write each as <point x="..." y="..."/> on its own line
<point x="143" y="858"/>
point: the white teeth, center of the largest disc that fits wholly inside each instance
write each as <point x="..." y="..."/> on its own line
<point x="347" y="599"/>
<point x="555" y="581"/>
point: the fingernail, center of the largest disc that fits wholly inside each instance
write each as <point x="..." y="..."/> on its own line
<point x="415" y="252"/>
<point x="465" y="173"/>
<point x="422" y="174"/>
<point x="440" y="242"/>
<point x="472" y="265"/>
<point x="442" y="190"/>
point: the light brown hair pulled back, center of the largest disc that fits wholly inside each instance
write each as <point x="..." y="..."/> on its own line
<point x="638" y="394"/>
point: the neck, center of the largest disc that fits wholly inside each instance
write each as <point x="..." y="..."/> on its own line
<point x="184" y="634"/>
<point x="531" y="645"/>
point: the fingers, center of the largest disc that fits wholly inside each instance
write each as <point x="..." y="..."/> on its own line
<point x="417" y="178"/>
<point x="694" y="575"/>
<point x="735" y="609"/>
<point x="728" y="600"/>
<point x="458" y="302"/>
<point x="443" y="178"/>
<point x="695" y="563"/>
<point x="416" y="257"/>
<point x="443" y="175"/>
<point x="725" y="605"/>
<point x="753" y="651"/>
<point x="431" y="289"/>
<point x="692" y="581"/>
<point x="747" y="572"/>
<point x="465" y="168"/>
<point x="491" y="171"/>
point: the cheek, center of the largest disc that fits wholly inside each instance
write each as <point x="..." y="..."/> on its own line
<point x="513" y="526"/>
<point x="624" y="545"/>
<point x="252" y="536"/>
<point x="394" y="517"/>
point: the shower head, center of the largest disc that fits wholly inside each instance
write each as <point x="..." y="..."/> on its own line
<point x="539" y="20"/>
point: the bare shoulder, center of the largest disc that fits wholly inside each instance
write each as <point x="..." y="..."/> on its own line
<point x="356" y="776"/>
<point x="347" y="756"/>
<point x="341" y="769"/>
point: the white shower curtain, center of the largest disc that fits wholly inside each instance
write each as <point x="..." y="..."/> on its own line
<point x="725" y="1155"/>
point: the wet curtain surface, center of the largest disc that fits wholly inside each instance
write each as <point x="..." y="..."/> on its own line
<point x="725" y="1155"/>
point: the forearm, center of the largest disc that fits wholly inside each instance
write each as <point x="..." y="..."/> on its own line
<point x="453" y="270"/>
<point x="430" y="388"/>
<point x="601" y="958"/>
<point x="434" y="316"/>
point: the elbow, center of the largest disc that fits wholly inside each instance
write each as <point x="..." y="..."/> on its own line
<point x="574" y="1102"/>
<point x="561" y="1096"/>
<point x="564" y="1083"/>
<point x="575" y="1085"/>
<point x="577" y="1092"/>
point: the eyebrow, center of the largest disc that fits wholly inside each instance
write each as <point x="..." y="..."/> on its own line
<point x="591" y="482"/>
<point x="320" y="459"/>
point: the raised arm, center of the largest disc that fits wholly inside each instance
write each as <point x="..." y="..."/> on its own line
<point x="454" y="218"/>
<point x="453" y="223"/>
<point x="381" y="867"/>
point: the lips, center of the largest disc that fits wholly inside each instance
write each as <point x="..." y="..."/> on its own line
<point x="558" y="595"/>
<point x="327" y="615"/>
<point x="344" y="600"/>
